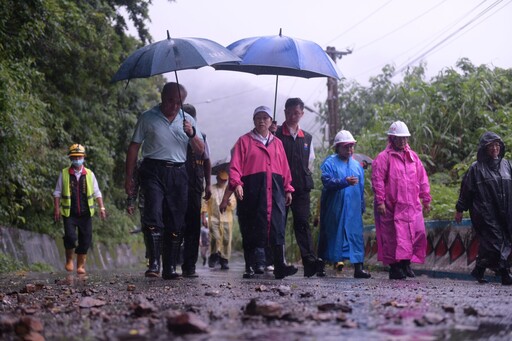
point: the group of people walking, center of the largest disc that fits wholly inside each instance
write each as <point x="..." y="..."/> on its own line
<point x="269" y="176"/>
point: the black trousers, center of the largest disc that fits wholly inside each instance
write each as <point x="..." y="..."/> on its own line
<point x="84" y="226"/>
<point x="192" y="231"/>
<point x="300" y="208"/>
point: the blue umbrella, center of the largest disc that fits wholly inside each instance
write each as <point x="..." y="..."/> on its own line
<point x="281" y="55"/>
<point x="173" y="54"/>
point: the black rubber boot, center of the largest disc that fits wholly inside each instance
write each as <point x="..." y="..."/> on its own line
<point x="396" y="271"/>
<point x="153" y="249"/>
<point x="478" y="273"/>
<point x="310" y="268"/>
<point x="281" y="269"/>
<point x="359" y="272"/>
<point x="171" y="249"/>
<point x="406" y="267"/>
<point x="320" y="267"/>
<point x="223" y="263"/>
<point x="506" y="279"/>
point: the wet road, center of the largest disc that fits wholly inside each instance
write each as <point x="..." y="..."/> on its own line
<point x="123" y="305"/>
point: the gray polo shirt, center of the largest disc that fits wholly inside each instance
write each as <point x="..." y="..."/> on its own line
<point x="160" y="139"/>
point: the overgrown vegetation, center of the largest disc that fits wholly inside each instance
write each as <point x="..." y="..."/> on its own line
<point x="56" y="60"/>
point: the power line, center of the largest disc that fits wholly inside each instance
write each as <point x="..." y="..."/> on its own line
<point x="441" y="32"/>
<point x="451" y="35"/>
<point x="402" y="26"/>
<point x="359" y="22"/>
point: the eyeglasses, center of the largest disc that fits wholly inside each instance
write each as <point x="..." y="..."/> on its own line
<point x="493" y="145"/>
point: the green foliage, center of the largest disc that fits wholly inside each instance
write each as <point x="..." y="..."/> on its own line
<point x="9" y="264"/>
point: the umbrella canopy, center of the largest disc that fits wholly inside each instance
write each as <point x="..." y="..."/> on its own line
<point x="173" y="54"/>
<point x="281" y="55"/>
<point x="221" y="165"/>
<point x="364" y="160"/>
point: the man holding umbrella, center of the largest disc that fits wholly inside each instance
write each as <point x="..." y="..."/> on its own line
<point x="297" y="144"/>
<point x="164" y="131"/>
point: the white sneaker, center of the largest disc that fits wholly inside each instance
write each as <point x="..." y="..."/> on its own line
<point x="269" y="268"/>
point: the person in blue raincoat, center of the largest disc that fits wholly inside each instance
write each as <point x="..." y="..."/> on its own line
<point x="342" y="205"/>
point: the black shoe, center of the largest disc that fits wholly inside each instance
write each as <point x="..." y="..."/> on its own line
<point x="189" y="273"/>
<point x="406" y="267"/>
<point x="213" y="260"/>
<point x="283" y="271"/>
<point x="259" y="270"/>
<point x="223" y="264"/>
<point x="396" y="272"/>
<point x="478" y="273"/>
<point x="320" y="268"/>
<point x="248" y="273"/>
<point x="310" y="268"/>
<point x="150" y="273"/>
<point x="359" y="272"/>
<point x="506" y="279"/>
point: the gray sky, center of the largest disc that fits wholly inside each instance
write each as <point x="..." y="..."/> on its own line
<point x="379" y="32"/>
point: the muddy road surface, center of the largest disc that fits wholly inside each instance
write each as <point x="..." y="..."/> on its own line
<point x="220" y="305"/>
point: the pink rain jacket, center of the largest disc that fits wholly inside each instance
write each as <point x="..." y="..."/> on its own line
<point x="399" y="180"/>
<point x="265" y="176"/>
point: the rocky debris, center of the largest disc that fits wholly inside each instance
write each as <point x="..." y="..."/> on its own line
<point x="89" y="302"/>
<point x="429" y="319"/>
<point x="185" y="323"/>
<point x="262" y="288"/>
<point x="448" y="309"/>
<point x="470" y="311"/>
<point x="29" y="328"/>
<point x="142" y="307"/>
<point x="284" y="290"/>
<point x="264" y="308"/>
<point x="344" y="307"/>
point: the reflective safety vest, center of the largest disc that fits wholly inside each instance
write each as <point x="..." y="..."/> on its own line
<point x="65" y="200"/>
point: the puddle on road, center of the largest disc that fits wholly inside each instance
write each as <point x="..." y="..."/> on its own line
<point x="483" y="331"/>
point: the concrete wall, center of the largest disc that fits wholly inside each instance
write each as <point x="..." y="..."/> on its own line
<point x="30" y="247"/>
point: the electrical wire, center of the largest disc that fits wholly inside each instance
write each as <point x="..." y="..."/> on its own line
<point x="451" y="35"/>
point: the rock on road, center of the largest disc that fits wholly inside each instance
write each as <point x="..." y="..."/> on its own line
<point x="220" y="305"/>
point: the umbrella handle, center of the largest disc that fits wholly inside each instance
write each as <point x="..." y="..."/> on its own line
<point x="275" y="98"/>
<point x="179" y="94"/>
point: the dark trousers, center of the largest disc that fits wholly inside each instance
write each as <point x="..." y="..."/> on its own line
<point x="300" y="208"/>
<point x="165" y="196"/>
<point x="84" y="226"/>
<point x="192" y="231"/>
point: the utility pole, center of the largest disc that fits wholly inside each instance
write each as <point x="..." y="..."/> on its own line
<point x="332" y="95"/>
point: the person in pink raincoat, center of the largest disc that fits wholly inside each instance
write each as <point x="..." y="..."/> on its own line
<point x="260" y="177"/>
<point x="401" y="188"/>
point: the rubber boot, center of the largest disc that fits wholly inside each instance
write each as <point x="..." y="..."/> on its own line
<point x="359" y="272"/>
<point x="478" y="273"/>
<point x="153" y="246"/>
<point x="506" y="279"/>
<point x="213" y="259"/>
<point x="406" y="267"/>
<point x="396" y="271"/>
<point x="170" y="252"/>
<point x="248" y="257"/>
<point x="69" y="259"/>
<point x="80" y="264"/>
<point x="310" y="267"/>
<point x="223" y="263"/>
<point x="320" y="267"/>
<point x="281" y="269"/>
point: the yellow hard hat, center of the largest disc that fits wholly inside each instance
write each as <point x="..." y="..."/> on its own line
<point x="76" y="150"/>
<point x="223" y="175"/>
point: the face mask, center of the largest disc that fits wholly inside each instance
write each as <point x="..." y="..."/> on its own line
<point x="78" y="163"/>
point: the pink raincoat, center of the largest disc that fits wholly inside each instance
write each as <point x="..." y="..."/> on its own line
<point x="399" y="180"/>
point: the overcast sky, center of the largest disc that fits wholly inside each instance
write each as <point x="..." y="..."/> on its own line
<point x="378" y="32"/>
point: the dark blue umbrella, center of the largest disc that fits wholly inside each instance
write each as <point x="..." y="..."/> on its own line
<point x="173" y="54"/>
<point x="281" y="55"/>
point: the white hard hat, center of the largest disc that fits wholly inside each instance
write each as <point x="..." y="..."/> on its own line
<point x="344" y="136"/>
<point x="398" y="128"/>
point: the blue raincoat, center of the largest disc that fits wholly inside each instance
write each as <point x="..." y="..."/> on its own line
<point x="341" y="208"/>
